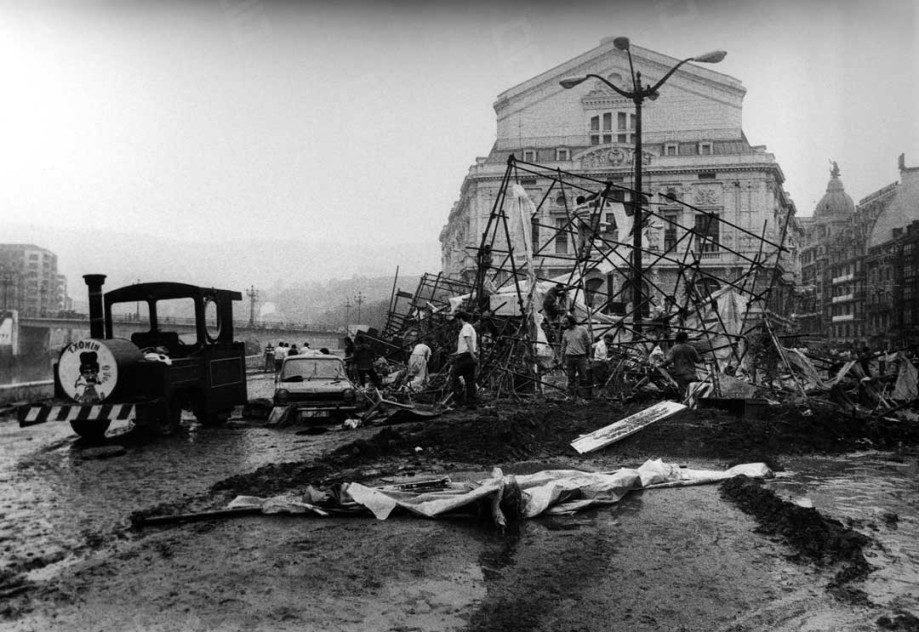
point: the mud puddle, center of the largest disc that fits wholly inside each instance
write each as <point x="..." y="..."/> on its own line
<point x="875" y="493"/>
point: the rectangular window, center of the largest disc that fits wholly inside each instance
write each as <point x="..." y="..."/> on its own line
<point x="561" y="236"/>
<point x="670" y="229"/>
<point x="705" y="149"/>
<point x="602" y="130"/>
<point x="671" y="149"/>
<point x="529" y="155"/>
<point x="534" y="233"/>
<point x="706" y="230"/>
<point x="562" y="155"/>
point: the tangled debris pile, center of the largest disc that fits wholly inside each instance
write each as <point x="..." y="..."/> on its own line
<point x="521" y="285"/>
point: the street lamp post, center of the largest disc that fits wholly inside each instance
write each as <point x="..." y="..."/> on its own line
<point x="359" y="299"/>
<point x="637" y="95"/>
<point x="137" y="305"/>
<point x="252" y="293"/>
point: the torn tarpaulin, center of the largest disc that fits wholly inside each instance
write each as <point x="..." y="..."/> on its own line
<point x="549" y="492"/>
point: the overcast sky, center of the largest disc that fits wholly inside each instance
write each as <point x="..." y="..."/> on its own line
<point x="342" y="121"/>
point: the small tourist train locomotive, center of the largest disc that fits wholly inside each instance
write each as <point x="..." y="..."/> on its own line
<point x="152" y="376"/>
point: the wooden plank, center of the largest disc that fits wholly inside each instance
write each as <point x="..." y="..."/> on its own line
<point x="625" y="427"/>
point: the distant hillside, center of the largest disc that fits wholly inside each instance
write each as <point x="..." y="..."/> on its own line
<point x="326" y="302"/>
<point x="290" y="262"/>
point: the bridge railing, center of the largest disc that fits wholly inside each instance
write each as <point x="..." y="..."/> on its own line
<point x="190" y="322"/>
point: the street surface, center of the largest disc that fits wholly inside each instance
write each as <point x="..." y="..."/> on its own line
<point x="668" y="559"/>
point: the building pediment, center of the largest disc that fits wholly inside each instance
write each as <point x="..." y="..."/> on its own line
<point x="602" y="97"/>
<point x="652" y="63"/>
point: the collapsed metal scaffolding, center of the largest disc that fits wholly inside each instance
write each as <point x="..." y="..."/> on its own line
<point x="523" y="262"/>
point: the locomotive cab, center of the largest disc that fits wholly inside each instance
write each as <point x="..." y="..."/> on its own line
<point x="149" y="375"/>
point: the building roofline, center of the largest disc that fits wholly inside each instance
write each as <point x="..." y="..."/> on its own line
<point x="638" y="52"/>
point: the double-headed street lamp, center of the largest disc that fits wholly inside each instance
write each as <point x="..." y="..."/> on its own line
<point x="637" y="95"/>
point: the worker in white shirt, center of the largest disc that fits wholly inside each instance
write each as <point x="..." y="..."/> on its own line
<point x="464" y="363"/>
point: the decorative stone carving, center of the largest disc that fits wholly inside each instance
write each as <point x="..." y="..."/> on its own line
<point x="604" y="98"/>
<point x="612" y="156"/>
<point x="709" y="196"/>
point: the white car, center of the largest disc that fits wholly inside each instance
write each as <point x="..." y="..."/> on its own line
<point x="317" y="385"/>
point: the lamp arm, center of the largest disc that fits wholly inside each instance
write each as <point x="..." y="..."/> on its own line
<point x="627" y="95"/>
<point x="657" y="85"/>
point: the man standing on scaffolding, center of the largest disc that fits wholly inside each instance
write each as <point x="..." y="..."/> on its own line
<point x="574" y="349"/>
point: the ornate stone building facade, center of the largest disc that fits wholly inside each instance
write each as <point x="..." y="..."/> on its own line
<point x="694" y="151"/>
<point x="892" y="265"/>
<point x="858" y="266"/>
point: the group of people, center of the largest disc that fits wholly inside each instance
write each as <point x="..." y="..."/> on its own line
<point x="274" y="355"/>
<point x="576" y="350"/>
<point x="361" y="363"/>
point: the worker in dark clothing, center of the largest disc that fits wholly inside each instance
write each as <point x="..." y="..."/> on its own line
<point x="555" y="303"/>
<point x="864" y="359"/>
<point x="349" y="358"/>
<point x="682" y="357"/>
<point x="363" y="362"/>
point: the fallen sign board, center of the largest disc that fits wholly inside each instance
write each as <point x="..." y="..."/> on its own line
<point x="623" y="428"/>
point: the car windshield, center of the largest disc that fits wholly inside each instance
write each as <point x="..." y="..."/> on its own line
<point x="312" y="368"/>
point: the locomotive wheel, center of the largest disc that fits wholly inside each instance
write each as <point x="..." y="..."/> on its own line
<point x="90" y="430"/>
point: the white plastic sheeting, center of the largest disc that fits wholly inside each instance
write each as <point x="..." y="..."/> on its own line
<point x="547" y="492"/>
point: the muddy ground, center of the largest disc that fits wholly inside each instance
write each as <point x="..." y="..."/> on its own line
<point x="731" y="557"/>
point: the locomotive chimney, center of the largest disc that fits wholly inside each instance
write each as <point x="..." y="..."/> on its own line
<point x="96" y="317"/>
